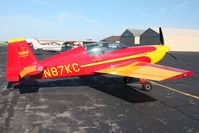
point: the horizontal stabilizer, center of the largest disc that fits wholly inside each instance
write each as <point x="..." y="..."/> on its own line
<point x="31" y="70"/>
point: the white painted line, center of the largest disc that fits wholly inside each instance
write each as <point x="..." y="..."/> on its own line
<point x="175" y="90"/>
<point x="3" y="52"/>
<point x="4" y="87"/>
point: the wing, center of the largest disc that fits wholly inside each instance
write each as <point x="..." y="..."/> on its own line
<point x="147" y="71"/>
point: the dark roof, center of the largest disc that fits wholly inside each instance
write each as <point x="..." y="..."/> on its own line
<point x="136" y="32"/>
<point x="112" y="39"/>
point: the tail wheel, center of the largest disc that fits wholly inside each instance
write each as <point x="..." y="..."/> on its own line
<point x="147" y="86"/>
<point x="28" y="87"/>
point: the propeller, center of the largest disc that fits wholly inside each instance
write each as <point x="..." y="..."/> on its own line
<point x="162" y="42"/>
<point x="161" y="36"/>
<point x="172" y="55"/>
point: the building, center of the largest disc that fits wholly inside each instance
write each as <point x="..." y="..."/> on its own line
<point x="131" y="37"/>
<point x="112" y="39"/>
<point x="181" y="39"/>
<point x="150" y="37"/>
<point x="177" y="39"/>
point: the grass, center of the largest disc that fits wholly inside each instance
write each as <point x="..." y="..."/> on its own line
<point x="3" y="44"/>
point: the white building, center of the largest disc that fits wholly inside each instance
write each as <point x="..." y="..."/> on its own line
<point x="181" y="39"/>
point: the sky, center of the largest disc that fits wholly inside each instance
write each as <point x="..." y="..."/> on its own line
<point x="92" y="19"/>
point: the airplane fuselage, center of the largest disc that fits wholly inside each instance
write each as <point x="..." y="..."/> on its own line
<point x="77" y="61"/>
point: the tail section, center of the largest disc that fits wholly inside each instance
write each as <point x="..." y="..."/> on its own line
<point x="20" y="60"/>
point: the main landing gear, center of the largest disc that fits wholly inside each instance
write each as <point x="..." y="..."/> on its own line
<point x="146" y="85"/>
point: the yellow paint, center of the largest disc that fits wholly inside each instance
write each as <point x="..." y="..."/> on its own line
<point x="61" y="70"/>
<point x="54" y="71"/>
<point x="75" y="67"/>
<point x="158" y="54"/>
<point x="47" y="72"/>
<point x="16" y="40"/>
<point x="67" y="68"/>
<point x="113" y="60"/>
<point x="145" y="71"/>
<point x="23" y="53"/>
<point x="175" y="90"/>
<point x="27" y="70"/>
<point x="155" y="56"/>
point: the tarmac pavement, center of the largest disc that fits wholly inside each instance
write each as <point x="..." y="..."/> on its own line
<point x="101" y="104"/>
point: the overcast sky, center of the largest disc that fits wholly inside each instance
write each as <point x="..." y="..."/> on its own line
<point x="92" y="19"/>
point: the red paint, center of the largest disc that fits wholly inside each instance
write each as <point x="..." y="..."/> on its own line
<point x="185" y="74"/>
<point x="19" y="56"/>
<point x="69" y="63"/>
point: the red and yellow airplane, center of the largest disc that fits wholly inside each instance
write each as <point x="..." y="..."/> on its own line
<point x="101" y="57"/>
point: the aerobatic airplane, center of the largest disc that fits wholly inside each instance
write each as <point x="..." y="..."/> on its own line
<point x="51" y="46"/>
<point x="94" y="58"/>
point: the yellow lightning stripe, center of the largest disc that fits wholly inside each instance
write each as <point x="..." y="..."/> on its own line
<point x="155" y="56"/>
<point x="175" y="90"/>
<point x="16" y="40"/>
<point x="113" y="60"/>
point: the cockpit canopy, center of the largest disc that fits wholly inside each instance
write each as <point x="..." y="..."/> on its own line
<point x="98" y="48"/>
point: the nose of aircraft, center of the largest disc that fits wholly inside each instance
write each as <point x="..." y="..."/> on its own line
<point x="159" y="53"/>
<point x="163" y="48"/>
<point x="166" y="48"/>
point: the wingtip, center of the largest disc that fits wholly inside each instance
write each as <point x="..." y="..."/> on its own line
<point x="183" y="75"/>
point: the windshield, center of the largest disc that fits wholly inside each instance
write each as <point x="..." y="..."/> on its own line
<point x="98" y="48"/>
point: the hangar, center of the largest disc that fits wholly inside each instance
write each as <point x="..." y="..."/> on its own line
<point x="131" y="37"/>
<point x="178" y="39"/>
<point x="150" y="37"/>
<point x="111" y="39"/>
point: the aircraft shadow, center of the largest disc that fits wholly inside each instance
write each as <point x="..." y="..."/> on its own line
<point x="106" y="85"/>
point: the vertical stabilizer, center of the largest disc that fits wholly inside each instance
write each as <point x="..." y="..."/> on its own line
<point x="19" y="56"/>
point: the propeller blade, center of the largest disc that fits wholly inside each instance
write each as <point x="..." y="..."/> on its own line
<point x="161" y="36"/>
<point x="172" y="55"/>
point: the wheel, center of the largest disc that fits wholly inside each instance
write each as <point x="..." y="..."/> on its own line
<point x="28" y="87"/>
<point x="147" y="86"/>
<point x="10" y="85"/>
<point x="127" y="80"/>
<point x="22" y="90"/>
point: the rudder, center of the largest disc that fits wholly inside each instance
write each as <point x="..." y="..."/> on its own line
<point x="19" y="56"/>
